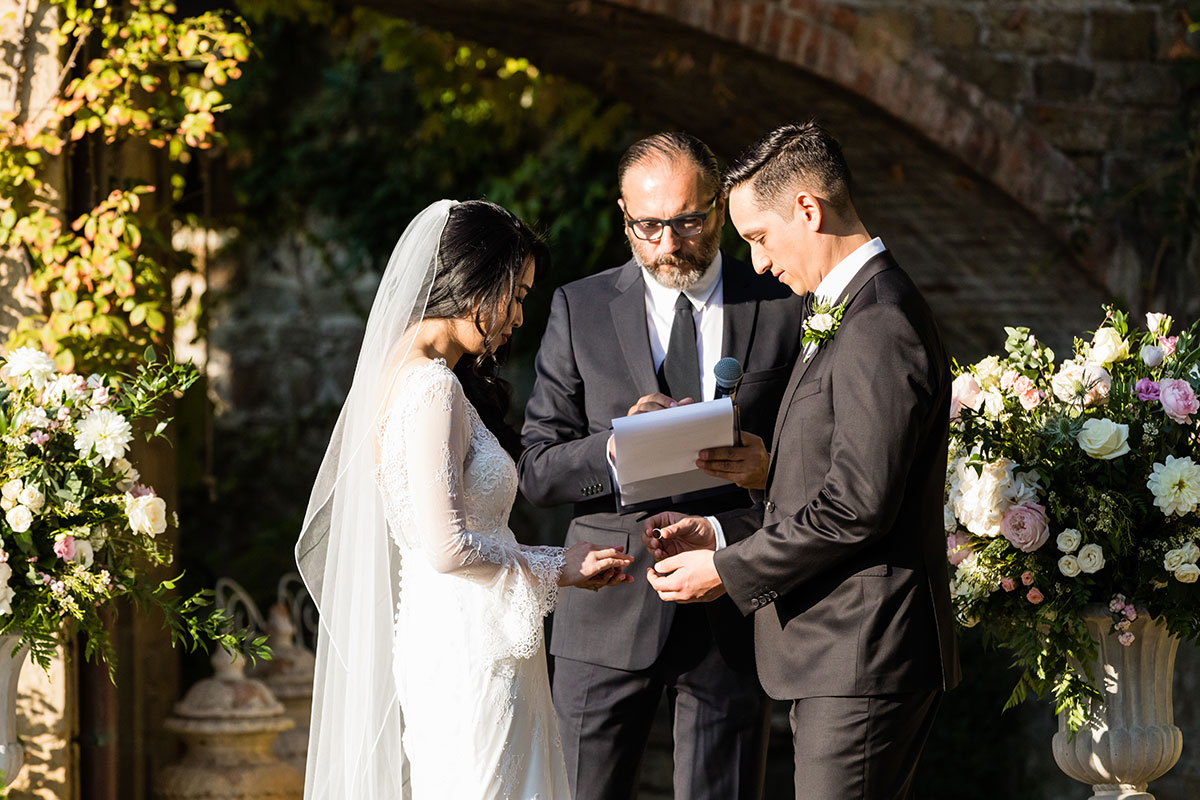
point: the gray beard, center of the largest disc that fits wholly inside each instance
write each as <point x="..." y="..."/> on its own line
<point x="680" y="274"/>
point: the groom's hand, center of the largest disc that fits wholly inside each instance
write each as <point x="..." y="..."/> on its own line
<point x="745" y="465"/>
<point x="690" y="577"/>
<point x="670" y="533"/>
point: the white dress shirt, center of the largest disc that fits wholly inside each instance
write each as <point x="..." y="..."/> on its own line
<point x="708" y="312"/>
<point x="830" y="289"/>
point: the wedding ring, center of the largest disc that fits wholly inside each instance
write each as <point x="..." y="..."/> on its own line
<point x="656" y="533"/>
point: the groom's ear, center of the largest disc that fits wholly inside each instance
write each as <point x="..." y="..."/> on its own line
<point x="806" y="209"/>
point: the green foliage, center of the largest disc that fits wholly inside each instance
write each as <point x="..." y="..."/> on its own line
<point x="154" y="80"/>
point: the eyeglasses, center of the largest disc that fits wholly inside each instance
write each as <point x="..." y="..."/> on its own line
<point x="685" y="226"/>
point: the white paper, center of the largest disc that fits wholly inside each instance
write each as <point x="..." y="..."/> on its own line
<point x="656" y="451"/>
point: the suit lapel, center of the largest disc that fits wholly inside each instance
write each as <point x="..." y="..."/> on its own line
<point x="869" y="270"/>
<point x="628" y="311"/>
<point x="740" y="311"/>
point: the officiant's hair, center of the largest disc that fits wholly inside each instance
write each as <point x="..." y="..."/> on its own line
<point x="669" y="146"/>
<point x="791" y="154"/>
<point x="483" y="249"/>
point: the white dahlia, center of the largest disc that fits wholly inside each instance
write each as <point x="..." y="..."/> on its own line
<point x="28" y="366"/>
<point x="107" y="431"/>
<point x="1175" y="485"/>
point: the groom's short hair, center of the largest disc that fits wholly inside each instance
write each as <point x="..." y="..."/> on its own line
<point x="792" y="156"/>
<point x="669" y="146"/>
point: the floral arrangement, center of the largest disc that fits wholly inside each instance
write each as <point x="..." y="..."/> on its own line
<point x="1075" y="484"/>
<point x="78" y="527"/>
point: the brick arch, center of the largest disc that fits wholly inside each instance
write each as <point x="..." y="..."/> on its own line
<point x="974" y="220"/>
<point x="863" y="56"/>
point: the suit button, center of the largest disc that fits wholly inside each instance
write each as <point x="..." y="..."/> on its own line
<point x="770" y="506"/>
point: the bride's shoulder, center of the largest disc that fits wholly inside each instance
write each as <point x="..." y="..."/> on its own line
<point x="425" y="379"/>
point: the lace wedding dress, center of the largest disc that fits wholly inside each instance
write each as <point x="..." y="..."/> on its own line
<point x="468" y="652"/>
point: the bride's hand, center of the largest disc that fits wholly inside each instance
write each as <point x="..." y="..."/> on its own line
<point x="591" y="567"/>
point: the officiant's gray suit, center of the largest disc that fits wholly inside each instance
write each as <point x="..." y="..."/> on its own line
<point x="617" y="650"/>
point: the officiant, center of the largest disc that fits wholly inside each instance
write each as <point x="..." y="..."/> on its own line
<point x="632" y="339"/>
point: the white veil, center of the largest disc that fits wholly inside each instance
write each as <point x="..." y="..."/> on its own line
<point x="347" y="561"/>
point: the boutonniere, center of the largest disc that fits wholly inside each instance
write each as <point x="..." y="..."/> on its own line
<point x="821" y="324"/>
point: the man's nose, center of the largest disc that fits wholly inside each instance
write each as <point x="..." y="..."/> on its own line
<point x="761" y="262"/>
<point x="669" y="241"/>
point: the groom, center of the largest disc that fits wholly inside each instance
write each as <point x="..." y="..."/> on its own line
<point x="843" y="562"/>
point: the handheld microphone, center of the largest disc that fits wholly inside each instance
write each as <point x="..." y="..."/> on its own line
<point x="729" y="376"/>
<point x="728" y="372"/>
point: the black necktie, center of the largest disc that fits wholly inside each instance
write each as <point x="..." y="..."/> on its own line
<point x="679" y="375"/>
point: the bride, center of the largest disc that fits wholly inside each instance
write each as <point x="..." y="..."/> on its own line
<point x="431" y="674"/>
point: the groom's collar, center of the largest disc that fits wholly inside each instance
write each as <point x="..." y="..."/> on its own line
<point x="833" y="286"/>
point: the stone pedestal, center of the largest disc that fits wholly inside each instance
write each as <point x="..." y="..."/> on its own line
<point x="1130" y="738"/>
<point x="229" y="723"/>
<point x="289" y="675"/>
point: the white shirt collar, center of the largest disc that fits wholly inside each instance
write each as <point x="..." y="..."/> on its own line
<point x="699" y="294"/>
<point x="832" y="286"/>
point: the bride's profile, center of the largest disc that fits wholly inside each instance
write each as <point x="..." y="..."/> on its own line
<point x="431" y="673"/>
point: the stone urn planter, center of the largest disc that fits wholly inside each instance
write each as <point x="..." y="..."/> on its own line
<point x="12" y="754"/>
<point x="229" y="723"/>
<point x="1130" y="738"/>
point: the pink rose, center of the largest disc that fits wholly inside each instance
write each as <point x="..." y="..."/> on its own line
<point x="1147" y="390"/>
<point x="1167" y="343"/>
<point x="1178" y="399"/>
<point x="1008" y="584"/>
<point x="1027" y="578"/>
<point x="64" y="548"/>
<point x="965" y="391"/>
<point x="1126" y="638"/>
<point x="1027" y="392"/>
<point x="956" y="548"/>
<point x="1026" y="527"/>
<point x="1034" y="596"/>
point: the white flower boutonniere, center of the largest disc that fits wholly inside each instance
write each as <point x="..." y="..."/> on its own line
<point x="821" y="324"/>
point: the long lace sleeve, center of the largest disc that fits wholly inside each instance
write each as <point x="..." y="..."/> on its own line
<point x="449" y="487"/>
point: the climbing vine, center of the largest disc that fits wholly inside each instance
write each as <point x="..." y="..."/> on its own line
<point x="135" y="74"/>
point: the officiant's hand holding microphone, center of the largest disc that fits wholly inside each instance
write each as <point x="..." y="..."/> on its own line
<point x="683" y="546"/>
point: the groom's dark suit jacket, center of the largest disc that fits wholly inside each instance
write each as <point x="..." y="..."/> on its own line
<point x="593" y="364"/>
<point x="843" y="561"/>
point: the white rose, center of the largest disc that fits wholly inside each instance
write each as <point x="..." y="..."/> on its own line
<point x="993" y="403"/>
<point x="1191" y="553"/>
<point x="6" y="504"/>
<point x="147" y="514"/>
<point x="1153" y="355"/>
<point x="11" y="489"/>
<point x="1158" y="323"/>
<point x="1069" y="566"/>
<point x="1173" y="560"/>
<point x="990" y="371"/>
<point x="1091" y="558"/>
<point x="1108" y="346"/>
<point x="19" y="518"/>
<point x="1104" y="439"/>
<point x="84" y="553"/>
<point x="1188" y="573"/>
<point x="1069" y="540"/>
<point x="32" y="497"/>
<point x="821" y="322"/>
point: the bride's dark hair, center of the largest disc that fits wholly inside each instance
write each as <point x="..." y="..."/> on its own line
<point x="482" y="252"/>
